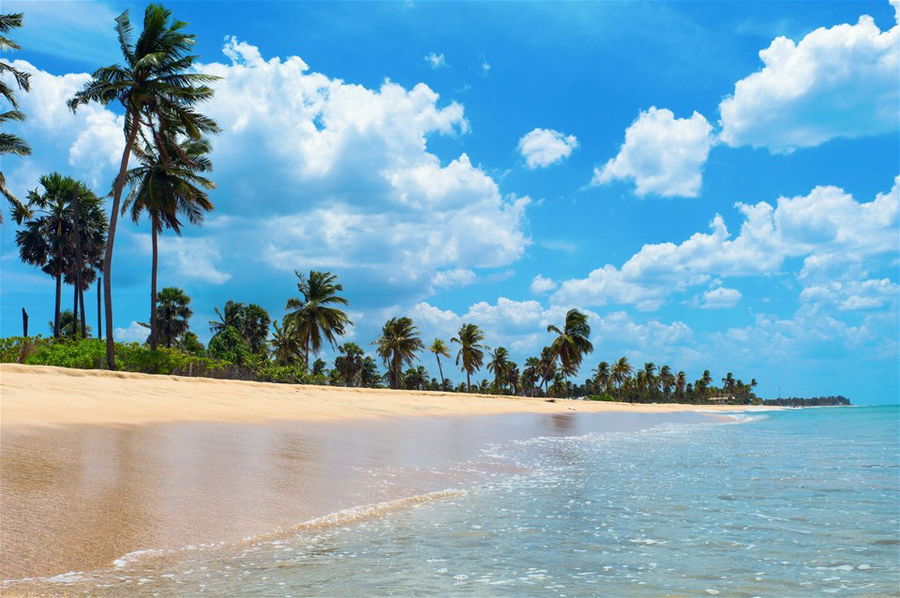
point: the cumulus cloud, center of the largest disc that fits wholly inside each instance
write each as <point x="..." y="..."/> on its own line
<point x="339" y="175"/>
<point x="187" y="258"/>
<point x="435" y="61"/>
<point x="718" y="298"/>
<point x="541" y="284"/>
<point x="543" y="147"/>
<point x="828" y="228"/>
<point x="133" y="333"/>
<point x="662" y="154"/>
<point x="853" y="294"/>
<point x="842" y="81"/>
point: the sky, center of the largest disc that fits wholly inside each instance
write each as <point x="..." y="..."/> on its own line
<point x="714" y="183"/>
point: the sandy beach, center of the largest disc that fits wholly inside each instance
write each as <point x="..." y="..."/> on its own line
<point x="97" y="465"/>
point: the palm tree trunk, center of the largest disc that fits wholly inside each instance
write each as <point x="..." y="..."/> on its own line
<point x="75" y="311"/>
<point x="154" y="224"/>
<point x="99" y="307"/>
<point x="76" y="221"/>
<point x="83" y="313"/>
<point x="119" y="184"/>
<point x="468" y="382"/>
<point x="58" y="299"/>
<point x="440" y="369"/>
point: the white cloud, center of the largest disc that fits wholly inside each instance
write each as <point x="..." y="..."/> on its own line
<point x="664" y="155"/>
<point x="842" y="81"/>
<point x="348" y="178"/>
<point x="718" y="298"/>
<point x="543" y="147"/>
<point x="453" y="278"/>
<point x="828" y="228"/>
<point x="541" y="284"/>
<point x="186" y="258"/>
<point x="134" y="333"/>
<point x="853" y="294"/>
<point x="435" y="61"/>
<point x="485" y="68"/>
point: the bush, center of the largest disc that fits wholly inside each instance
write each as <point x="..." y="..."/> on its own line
<point x="286" y="374"/>
<point x="603" y="397"/>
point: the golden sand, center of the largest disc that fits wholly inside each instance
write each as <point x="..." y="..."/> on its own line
<point x="41" y="395"/>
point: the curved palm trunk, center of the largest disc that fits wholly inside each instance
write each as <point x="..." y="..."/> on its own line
<point x="111" y="236"/>
<point x="154" y="224"/>
<point x="99" y="308"/>
<point x="58" y="300"/>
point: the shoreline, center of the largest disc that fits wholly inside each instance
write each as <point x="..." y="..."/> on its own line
<point x="97" y="465"/>
<point x="53" y="396"/>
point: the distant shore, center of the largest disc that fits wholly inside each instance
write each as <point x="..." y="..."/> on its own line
<point x="43" y="395"/>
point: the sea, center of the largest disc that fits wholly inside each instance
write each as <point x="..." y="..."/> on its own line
<point x="797" y="502"/>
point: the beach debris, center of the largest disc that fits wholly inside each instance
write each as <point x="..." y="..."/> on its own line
<point x="571" y="409"/>
<point x="550" y="400"/>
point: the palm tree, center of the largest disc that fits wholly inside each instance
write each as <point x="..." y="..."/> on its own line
<point x="680" y="383"/>
<point x="9" y="143"/>
<point x="471" y="351"/>
<point x="369" y="375"/>
<point x="602" y="376"/>
<point x="621" y="372"/>
<point x="530" y="374"/>
<point x="165" y="188"/>
<point x="158" y="93"/>
<point x="65" y="226"/>
<point x="173" y="314"/>
<point x="650" y="381"/>
<point x="349" y="363"/>
<point x="499" y="366"/>
<point x="397" y="345"/>
<point x="666" y="379"/>
<point x="287" y="345"/>
<point x="70" y="325"/>
<point x="439" y="347"/>
<point x="314" y="314"/>
<point x="572" y="342"/>
<point x="547" y="369"/>
<point x="416" y="378"/>
<point x="250" y="321"/>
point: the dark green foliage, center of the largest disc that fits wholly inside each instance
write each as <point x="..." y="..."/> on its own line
<point x="229" y="345"/>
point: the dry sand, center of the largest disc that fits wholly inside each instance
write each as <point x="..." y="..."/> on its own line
<point x="96" y="465"/>
<point x="40" y="395"/>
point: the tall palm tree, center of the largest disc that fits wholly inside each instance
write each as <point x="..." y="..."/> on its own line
<point x="287" y="345"/>
<point x="602" y="376"/>
<point x="650" y="380"/>
<point x="166" y="188"/>
<point x="666" y="379"/>
<point x="621" y="372"/>
<point x="471" y="351"/>
<point x="55" y="229"/>
<point x="572" y="341"/>
<point x="439" y="348"/>
<point x="158" y="93"/>
<point x="499" y="366"/>
<point x="397" y="345"/>
<point x="9" y="143"/>
<point x="530" y="374"/>
<point x="251" y="322"/>
<point x="314" y="314"/>
<point x="173" y="314"/>
<point x="368" y="375"/>
<point x="680" y="383"/>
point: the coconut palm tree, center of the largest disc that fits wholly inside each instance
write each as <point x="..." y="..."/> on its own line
<point x="416" y="378"/>
<point x="9" y="143"/>
<point x="397" y="345"/>
<point x="680" y="383"/>
<point x="572" y="341"/>
<point x="369" y="375"/>
<point x="167" y="187"/>
<point x="158" y="93"/>
<point x="602" y="376"/>
<point x="499" y="366"/>
<point x="471" y="352"/>
<point x="666" y="379"/>
<point x="548" y="367"/>
<point x="250" y="321"/>
<point x="621" y="372"/>
<point x="287" y="345"/>
<point x="439" y="348"/>
<point x="314" y="314"/>
<point x="70" y="325"/>
<point x="173" y="314"/>
<point x="531" y="373"/>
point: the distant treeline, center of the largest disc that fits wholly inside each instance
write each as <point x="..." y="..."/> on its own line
<point x="811" y="402"/>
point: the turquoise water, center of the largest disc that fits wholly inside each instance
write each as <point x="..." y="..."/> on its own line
<point x="784" y="503"/>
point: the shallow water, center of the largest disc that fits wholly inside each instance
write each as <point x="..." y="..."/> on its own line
<point x="787" y="503"/>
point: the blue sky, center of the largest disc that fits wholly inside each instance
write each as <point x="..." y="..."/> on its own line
<point x="714" y="182"/>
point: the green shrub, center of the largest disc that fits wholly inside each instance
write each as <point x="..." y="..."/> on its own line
<point x="286" y="374"/>
<point x="603" y="397"/>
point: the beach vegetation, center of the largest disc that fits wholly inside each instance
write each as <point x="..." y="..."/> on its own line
<point x="159" y="92"/>
<point x="9" y="143"/>
<point x="470" y="356"/>
<point x="316" y="315"/>
<point x="397" y="346"/>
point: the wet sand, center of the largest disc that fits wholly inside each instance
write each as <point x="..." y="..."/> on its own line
<point x="94" y="466"/>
